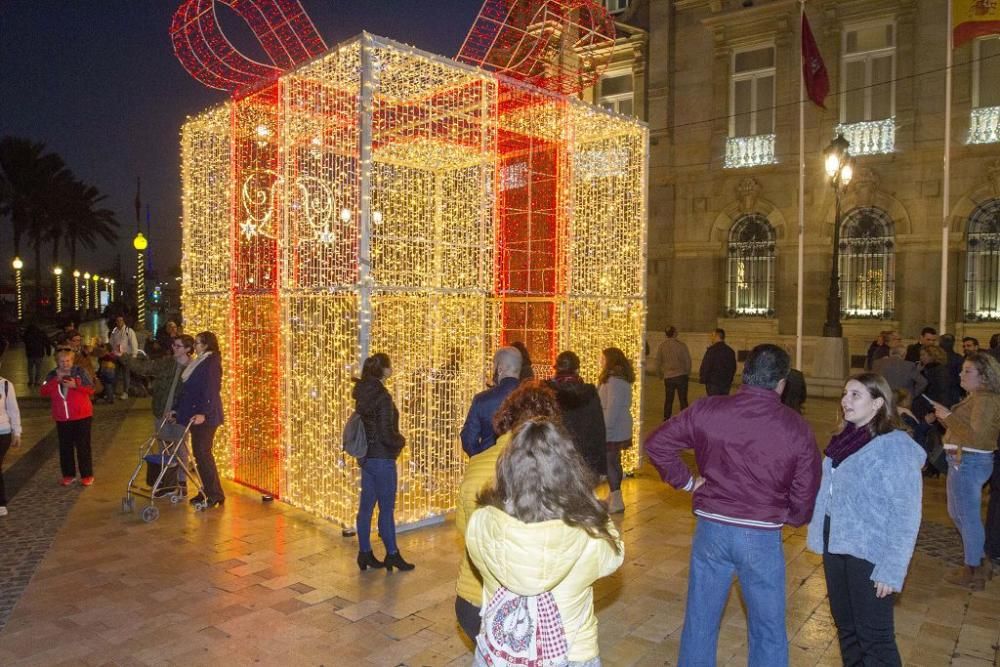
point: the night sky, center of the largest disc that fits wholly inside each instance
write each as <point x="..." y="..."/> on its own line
<point x="97" y="82"/>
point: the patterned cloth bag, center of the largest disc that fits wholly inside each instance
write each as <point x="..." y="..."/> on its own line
<point x="522" y="631"/>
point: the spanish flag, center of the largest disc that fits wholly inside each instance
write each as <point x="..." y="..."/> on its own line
<point x="974" y="18"/>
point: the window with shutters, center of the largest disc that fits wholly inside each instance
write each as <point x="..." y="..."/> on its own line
<point x="751" y="108"/>
<point x="982" y="263"/>
<point x="616" y="92"/>
<point x="867" y="87"/>
<point x="984" y="123"/>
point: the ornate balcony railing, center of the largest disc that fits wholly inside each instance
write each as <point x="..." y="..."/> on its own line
<point x="870" y="137"/>
<point x="984" y="126"/>
<point x="750" y="151"/>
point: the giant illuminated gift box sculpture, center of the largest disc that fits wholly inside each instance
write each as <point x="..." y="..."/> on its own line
<point x="379" y="198"/>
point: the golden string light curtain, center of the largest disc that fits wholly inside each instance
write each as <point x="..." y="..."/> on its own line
<point x="382" y="199"/>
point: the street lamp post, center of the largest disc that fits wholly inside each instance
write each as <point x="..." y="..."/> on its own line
<point x="58" y="273"/>
<point x="140" y="244"/>
<point x="112" y="290"/>
<point x="18" y="287"/>
<point x="97" y="292"/>
<point x="86" y="290"/>
<point x="76" y="289"/>
<point x="840" y="168"/>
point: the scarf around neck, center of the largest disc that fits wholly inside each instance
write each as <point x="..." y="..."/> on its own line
<point x="847" y="442"/>
<point x="186" y="373"/>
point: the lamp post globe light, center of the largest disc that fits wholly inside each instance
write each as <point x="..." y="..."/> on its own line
<point x="840" y="169"/>
<point x="76" y="289"/>
<point x="86" y="290"/>
<point x="140" y="244"/>
<point x="18" y="288"/>
<point x="58" y="274"/>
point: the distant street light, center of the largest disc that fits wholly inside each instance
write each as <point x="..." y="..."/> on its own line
<point x="18" y="265"/>
<point x="58" y="272"/>
<point x="86" y="290"/>
<point x="76" y="289"/>
<point x="112" y="290"/>
<point x="140" y="244"/>
<point x="840" y="168"/>
<point x="97" y="292"/>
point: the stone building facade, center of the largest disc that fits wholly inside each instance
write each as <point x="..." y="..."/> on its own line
<point x="720" y="91"/>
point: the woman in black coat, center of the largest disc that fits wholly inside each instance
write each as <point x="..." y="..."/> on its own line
<point x="582" y="415"/>
<point x="378" y="467"/>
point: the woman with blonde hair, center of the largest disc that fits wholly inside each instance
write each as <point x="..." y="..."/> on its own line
<point x="540" y="539"/>
<point x="531" y="400"/>
<point x="865" y="524"/>
<point x="973" y="426"/>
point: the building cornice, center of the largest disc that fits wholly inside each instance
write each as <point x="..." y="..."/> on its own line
<point x="750" y="25"/>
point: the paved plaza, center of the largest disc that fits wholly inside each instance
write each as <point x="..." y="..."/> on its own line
<point x="259" y="583"/>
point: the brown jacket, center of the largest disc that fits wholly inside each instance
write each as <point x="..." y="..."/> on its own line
<point x="672" y="359"/>
<point x="974" y="422"/>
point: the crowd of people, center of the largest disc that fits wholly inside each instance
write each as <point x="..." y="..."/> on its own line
<point x="536" y="536"/>
<point x="182" y="373"/>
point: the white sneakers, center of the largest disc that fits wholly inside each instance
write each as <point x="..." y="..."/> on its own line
<point x="123" y="396"/>
<point x="3" y="511"/>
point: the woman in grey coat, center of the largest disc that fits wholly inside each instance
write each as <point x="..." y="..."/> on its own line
<point x="615" y="391"/>
<point x="866" y="519"/>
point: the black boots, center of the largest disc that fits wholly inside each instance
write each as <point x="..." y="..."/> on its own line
<point x="366" y="559"/>
<point x="396" y="560"/>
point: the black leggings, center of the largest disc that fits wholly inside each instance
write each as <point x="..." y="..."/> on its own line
<point x="865" y="625"/>
<point x="74" y="447"/>
<point x="202" y="437"/>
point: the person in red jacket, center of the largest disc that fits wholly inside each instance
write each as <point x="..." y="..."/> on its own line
<point x="70" y="388"/>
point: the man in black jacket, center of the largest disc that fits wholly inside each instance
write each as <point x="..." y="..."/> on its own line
<point x="718" y="366"/>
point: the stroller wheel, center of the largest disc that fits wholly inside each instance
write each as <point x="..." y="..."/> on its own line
<point x="201" y="506"/>
<point x="150" y="514"/>
<point x="174" y="499"/>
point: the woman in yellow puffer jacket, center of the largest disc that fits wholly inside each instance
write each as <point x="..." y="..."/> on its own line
<point x="533" y="399"/>
<point x="541" y="529"/>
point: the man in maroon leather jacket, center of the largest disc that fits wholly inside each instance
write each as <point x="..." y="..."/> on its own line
<point x="759" y="469"/>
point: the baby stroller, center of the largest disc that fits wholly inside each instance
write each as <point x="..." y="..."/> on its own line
<point x="166" y="456"/>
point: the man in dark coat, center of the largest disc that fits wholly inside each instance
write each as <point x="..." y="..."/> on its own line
<point x="37" y="346"/>
<point x="928" y="336"/>
<point x="718" y="366"/>
<point x="477" y="433"/>
<point x="582" y="416"/>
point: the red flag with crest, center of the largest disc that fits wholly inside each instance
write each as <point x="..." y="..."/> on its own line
<point x="813" y="69"/>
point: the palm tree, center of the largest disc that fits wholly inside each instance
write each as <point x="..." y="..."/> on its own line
<point x="27" y="174"/>
<point x="33" y="180"/>
<point x="88" y="222"/>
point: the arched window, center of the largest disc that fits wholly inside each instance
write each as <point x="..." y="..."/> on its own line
<point x="867" y="264"/>
<point x="750" y="276"/>
<point x="982" y="272"/>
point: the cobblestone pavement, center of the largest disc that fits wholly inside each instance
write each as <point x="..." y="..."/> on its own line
<point x="38" y="507"/>
<point x="264" y="583"/>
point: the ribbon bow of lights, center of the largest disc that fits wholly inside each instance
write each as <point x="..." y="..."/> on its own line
<point x="561" y="45"/>
<point x="285" y="31"/>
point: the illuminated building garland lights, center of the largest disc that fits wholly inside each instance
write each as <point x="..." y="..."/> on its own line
<point x="437" y="214"/>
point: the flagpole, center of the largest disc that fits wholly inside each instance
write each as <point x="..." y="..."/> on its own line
<point x="946" y="187"/>
<point x="802" y="198"/>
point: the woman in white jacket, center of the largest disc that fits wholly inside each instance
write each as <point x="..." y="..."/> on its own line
<point x="615" y="391"/>
<point x="10" y="431"/>
<point x="539" y="537"/>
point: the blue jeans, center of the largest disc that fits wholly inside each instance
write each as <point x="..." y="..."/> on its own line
<point x="378" y="484"/>
<point x="965" y="499"/>
<point x="755" y="556"/>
